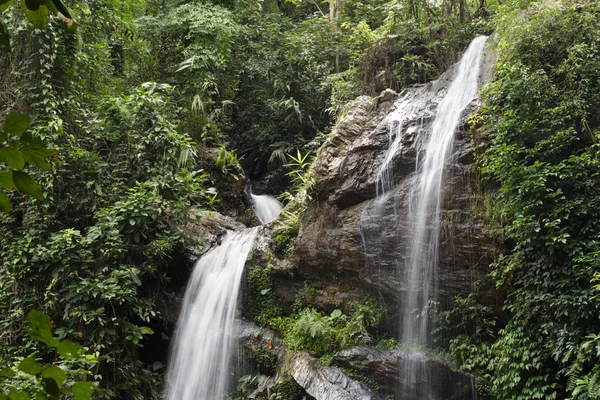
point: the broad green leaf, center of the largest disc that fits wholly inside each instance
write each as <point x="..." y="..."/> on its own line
<point x="336" y="313"/>
<point x="51" y="387"/>
<point x="265" y="291"/>
<point x="37" y="17"/>
<point x="16" y="123"/>
<point x="3" y="396"/>
<point x="26" y="185"/>
<point x="4" y="4"/>
<point x="7" y="373"/>
<point x="43" y="336"/>
<point x="157" y="365"/>
<point x="5" y="205"/>
<point x="38" y="157"/>
<point x="82" y="390"/>
<point x="17" y="395"/>
<point x="41" y="396"/>
<point x="146" y="330"/>
<point x="31" y="366"/>
<point x="69" y="350"/>
<point x="41" y="328"/>
<point x="56" y="373"/>
<point x="31" y="141"/>
<point x="6" y="180"/>
<point x="12" y="157"/>
<point x="39" y="320"/>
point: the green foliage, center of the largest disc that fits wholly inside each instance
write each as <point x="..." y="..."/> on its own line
<point x="288" y="389"/>
<point x="117" y="197"/>
<point x="286" y="231"/>
<point x="302" y="181"/>
<point x="467" y="330"/>
<point x="37" y="12"/>
<point x="541" y="112"/>
<point x="266" y="362"/>
<point x="387" y="343"/>
<point x="287" y="227"/>
<point x="18" y="148"/>
<point x="247" y="384"/>
<point x="229" y="163"/>
<point x="261" y="302"/>
<point x="31" y="379"/>
<point x="312" y="330"/>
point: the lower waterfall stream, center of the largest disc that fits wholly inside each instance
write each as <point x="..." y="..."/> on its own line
<point x="200" y="359"/>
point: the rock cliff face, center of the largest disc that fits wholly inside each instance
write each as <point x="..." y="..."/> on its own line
<point x="336" y="242"/>
<point x="346" y="246"/>
<point x="318" y="380"/>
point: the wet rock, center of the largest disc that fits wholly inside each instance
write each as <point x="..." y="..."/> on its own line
<point x="320" y="381"/>
<point x="208" y="227"/>
<point x="330" y="248"/>
<point x="385" y="367"/>
<point x="325" y="383"/>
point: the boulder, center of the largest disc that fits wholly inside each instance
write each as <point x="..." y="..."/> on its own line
<point x="320" y="381"/>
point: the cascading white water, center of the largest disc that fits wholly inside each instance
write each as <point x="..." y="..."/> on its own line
<point x="385" y="175"/>
<point x="425" y="200"/>
<point x="266" y="207"/>
<point x="199" y="363"/>
<point x="411" y="216"/>
<point x="426" y="192"/>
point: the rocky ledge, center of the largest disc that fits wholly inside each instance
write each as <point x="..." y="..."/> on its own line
<point x="380" y="366"/>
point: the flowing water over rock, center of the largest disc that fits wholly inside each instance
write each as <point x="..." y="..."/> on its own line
<point x="420" y="225"/>
<point x="199" y="363"/>
<point x="200" y="359"/>
<point x="425" y="203"/>
<point x="266" y="207"/>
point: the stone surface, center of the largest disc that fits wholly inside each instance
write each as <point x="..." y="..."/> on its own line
<point x="385" y="366"/>
<point x="330" y="249"/>
<point x="320" y="381"/>
<point x="209" y="227"/>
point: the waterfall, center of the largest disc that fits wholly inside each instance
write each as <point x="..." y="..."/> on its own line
<point x="417" y="126"/>
<point x="266" y="207"/>
<point x="199" y="363"/>
<point x="425" y="197"/>
<point x="425" y="201"/>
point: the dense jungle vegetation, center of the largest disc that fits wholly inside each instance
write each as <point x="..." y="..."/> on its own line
<point x="119" y="117"/>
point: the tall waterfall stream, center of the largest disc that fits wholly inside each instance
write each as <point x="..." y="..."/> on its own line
<point x="199" y="363"/>
<point x="418" y="257"/>
<point x="425" y="197"/>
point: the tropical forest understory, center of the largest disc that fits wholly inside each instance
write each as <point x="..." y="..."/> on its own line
<point x="134" y="135"/>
